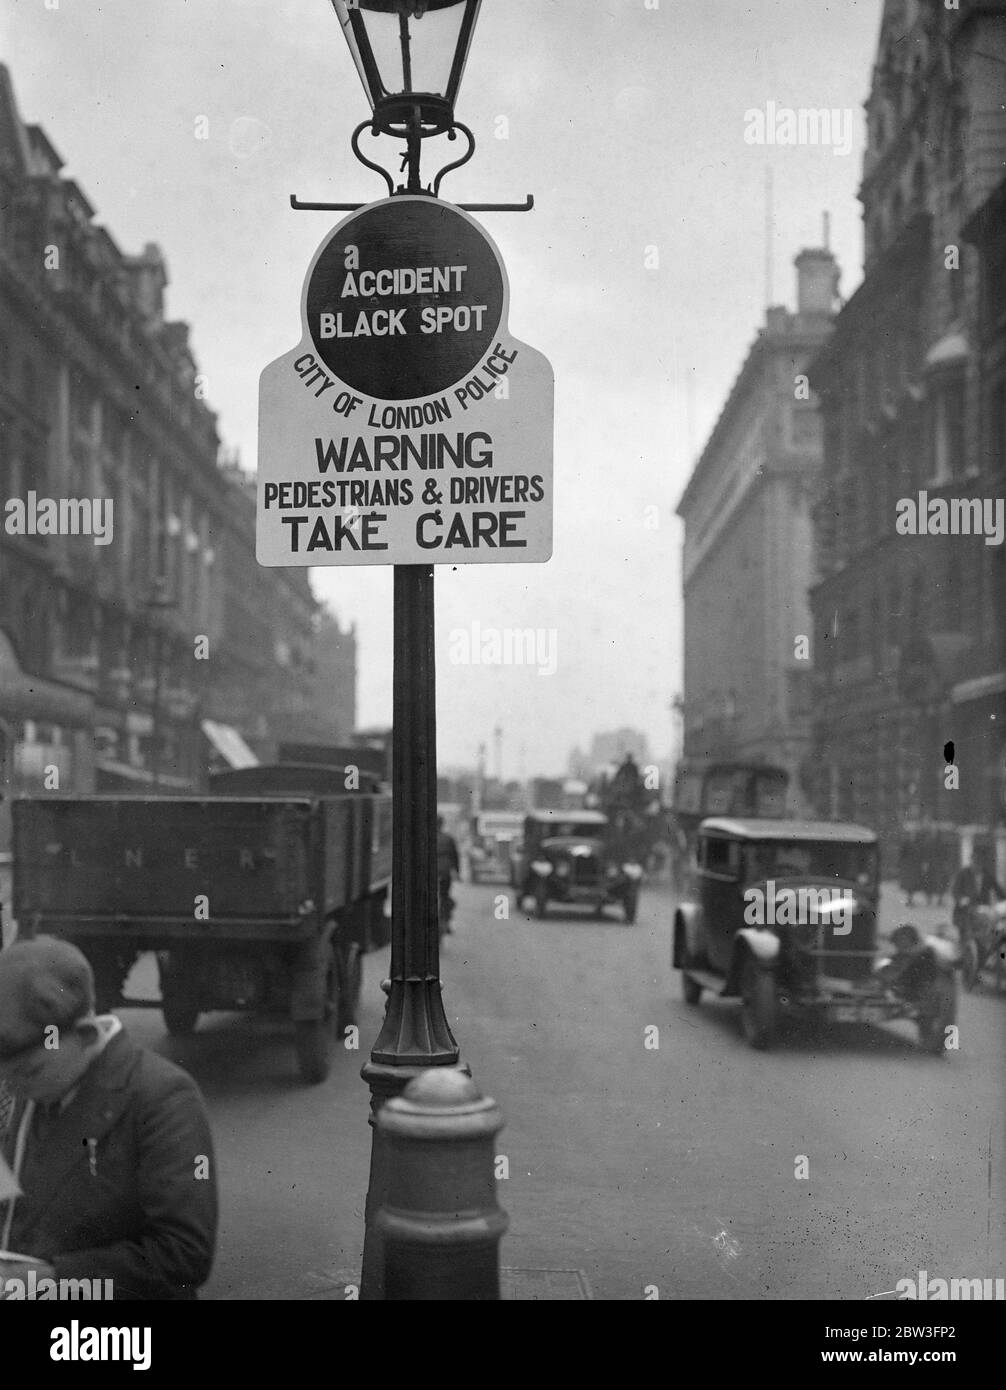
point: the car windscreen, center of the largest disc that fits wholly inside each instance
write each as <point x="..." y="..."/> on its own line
<point x="813" y="859"/>
<point x="574" y="830"/>
<point x="501" y="828"/>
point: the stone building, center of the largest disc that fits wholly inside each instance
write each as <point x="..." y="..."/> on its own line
<point x="115" y="656"/>
<point x="910" y="628"/>
<point x="747" y="560"/>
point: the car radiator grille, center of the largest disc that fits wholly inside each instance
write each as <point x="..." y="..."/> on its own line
<point x="820" y="953"/>
<point x="584" y="870"/>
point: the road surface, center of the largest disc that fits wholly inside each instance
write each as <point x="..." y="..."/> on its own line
<point x="665" y="1170"/>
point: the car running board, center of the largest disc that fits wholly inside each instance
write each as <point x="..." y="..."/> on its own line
<point x="708" y="980"/>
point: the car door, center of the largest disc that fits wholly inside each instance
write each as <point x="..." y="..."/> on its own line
<point x="722" y="900"/>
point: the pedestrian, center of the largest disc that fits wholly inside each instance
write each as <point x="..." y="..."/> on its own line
<point x="110" y="1143"/>
<point x="448" y="864"/>
<point x="974" y="886"/>
<point x="910" y="864"/>
<point x="626" y="789"/>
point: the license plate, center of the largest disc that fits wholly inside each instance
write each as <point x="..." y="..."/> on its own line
<point x="856" y="1013"/>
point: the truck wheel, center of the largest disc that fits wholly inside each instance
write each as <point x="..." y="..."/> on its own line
<point x="970" y="967"/>
<point x="180" y="1019"/>
<point x="179" y="1002"/>
<point x="107" y="981"/>
<point x="758" y="1005"/>
<point x="313" y="1036"/>
<point x="631" y="904"/>
<point x="937" y="1012"/>
<point x="690" y="988"/>
<point x="351" y="979"/>
<point x="541" y="901"/>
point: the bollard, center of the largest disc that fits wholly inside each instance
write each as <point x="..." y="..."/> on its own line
<point x="440" y="1222"/>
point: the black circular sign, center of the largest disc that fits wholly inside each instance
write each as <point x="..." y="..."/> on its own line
<point x="405" y="300"/>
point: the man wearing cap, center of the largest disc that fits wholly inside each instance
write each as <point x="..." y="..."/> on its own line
<point x="110" y="1142"/>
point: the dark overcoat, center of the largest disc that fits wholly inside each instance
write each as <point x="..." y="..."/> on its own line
<point x="122" y="1183"/>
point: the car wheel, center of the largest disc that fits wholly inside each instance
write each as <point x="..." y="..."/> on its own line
<point x="631" y="904"/>
<point x="937" y="1013"/>
<point x="759" y="1011"/>
<point x="970" y="967"/>
<point x="690" y="988"/>
<point x="541" y="901"/>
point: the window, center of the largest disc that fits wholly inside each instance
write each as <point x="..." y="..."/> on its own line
<point x="997" y="433"/>
<point x="950" y="432"/>
<point x="720" y="857"/>
<point x="995" y="282"/>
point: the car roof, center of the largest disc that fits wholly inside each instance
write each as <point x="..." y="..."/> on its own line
<point x="584" y="817"/>
<point x="788" y="830"/>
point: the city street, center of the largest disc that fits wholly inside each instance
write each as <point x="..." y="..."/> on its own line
<point x="670" y="1167"/>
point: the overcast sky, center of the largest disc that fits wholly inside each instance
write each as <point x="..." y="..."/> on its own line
<point x="627" y="124"/>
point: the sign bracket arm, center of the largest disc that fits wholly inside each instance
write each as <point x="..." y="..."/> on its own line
<point x="526" y="206"/>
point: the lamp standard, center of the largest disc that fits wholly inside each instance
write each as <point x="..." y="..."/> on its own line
<point x="157" y="604"/>
<point x="410" y="55"/>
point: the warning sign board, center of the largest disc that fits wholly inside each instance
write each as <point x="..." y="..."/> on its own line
<point x="407" y="426"/>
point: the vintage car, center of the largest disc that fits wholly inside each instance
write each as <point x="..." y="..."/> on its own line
<point x="571" y="857"/>
<point x="785" y="917"/>
<point x="492" y="833"/>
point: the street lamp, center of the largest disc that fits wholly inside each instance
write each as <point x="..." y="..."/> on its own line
<point x="157" y="604"/>
<point x="411" y="56"/>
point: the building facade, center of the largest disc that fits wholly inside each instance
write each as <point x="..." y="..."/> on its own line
<point x="114" y="655"/>
<point x="909" y="608"/>
<point x="747" y="561"/>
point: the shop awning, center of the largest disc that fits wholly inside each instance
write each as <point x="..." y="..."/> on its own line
<point x="229" y="744"/>
<point x="111" y="775"/>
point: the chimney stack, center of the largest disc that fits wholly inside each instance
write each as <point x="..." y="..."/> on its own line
<point x="817" y="276"/>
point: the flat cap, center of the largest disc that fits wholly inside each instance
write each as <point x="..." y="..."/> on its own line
<point x="43" y="981"/>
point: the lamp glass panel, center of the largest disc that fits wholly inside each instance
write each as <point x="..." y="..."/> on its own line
<point x="414" y="51"/>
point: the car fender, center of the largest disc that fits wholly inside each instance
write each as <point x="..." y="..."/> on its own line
<point x="761" y="945"/>
<point x="685" y="936"/>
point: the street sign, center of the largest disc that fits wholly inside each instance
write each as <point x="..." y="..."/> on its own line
<point x="407" y="427"/>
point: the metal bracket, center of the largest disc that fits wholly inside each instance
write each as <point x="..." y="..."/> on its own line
<point x="411" y="157"/>
<point x="526" y="206"/>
